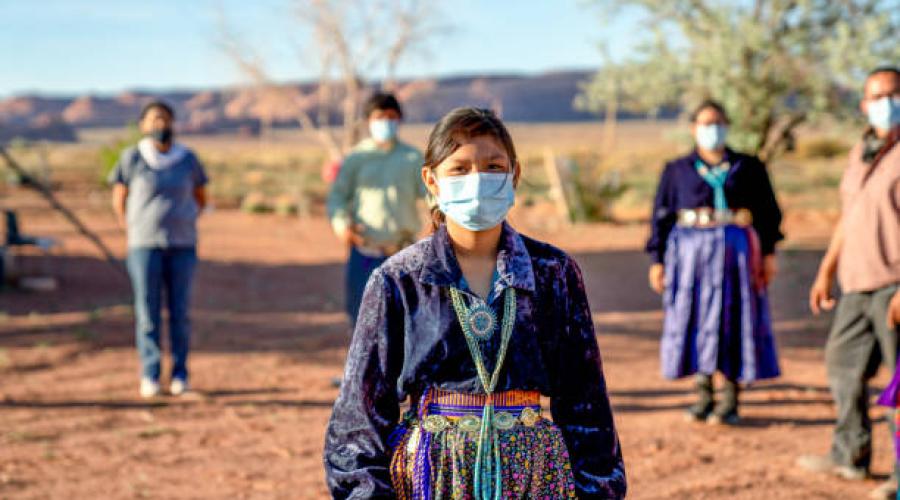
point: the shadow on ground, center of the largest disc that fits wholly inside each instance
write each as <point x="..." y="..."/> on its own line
<point x="617" y="283"/>
<point x="241" y="306"/>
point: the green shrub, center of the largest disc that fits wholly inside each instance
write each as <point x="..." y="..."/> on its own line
<point x="109" y="154"/>
<point x="592" y="191"/>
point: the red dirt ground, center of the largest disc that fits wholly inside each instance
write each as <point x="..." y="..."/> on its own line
<point x="269" y="335"/>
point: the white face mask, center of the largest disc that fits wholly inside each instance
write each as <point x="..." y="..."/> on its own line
<point x="476" y="201"/>
<point x="384" y="130"/>
<point x="884" y="113"/>
<point x="711" y="137"/>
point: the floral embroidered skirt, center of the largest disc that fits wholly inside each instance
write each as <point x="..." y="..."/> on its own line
<point x="435" y="448"/>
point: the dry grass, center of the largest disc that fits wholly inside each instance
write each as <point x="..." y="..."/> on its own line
<point x="281" y="172"/>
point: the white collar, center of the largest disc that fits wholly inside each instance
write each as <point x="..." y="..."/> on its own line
<point x="158" y="160"/>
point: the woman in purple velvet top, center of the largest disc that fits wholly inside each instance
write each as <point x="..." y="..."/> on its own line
<point x="472" y="325"/>
<point x="714" y="228"/>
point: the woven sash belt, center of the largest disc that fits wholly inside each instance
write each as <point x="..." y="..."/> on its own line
<point x="443" y="410"/>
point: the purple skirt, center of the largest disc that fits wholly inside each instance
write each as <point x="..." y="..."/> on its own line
<point x="889" y="398"/>
<point x="716" y="317"/>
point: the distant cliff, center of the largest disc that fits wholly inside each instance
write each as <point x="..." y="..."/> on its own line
<point x="519" y="98"/>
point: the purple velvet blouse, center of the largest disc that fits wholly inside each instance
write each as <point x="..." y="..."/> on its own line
<point x="407" y="339"/>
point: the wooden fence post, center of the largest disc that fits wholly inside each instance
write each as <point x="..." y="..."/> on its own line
<point x="557" y="188"/>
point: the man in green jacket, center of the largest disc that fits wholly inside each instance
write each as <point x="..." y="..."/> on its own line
<point x="373" y="202"/>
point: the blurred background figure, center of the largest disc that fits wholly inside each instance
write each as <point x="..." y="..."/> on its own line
<point x="373" y="202"/>
<point x="867" y="263"/>
<point x="158" y="192"/>
<point x="715" y="224"/>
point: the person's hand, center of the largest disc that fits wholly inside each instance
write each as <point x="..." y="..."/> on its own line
<point x="770" y="269"/>
<point x="351" y="236"/>
<point x="893" y="312"/>
<point x="657" y="277"/>
<point x="820" y="297"/>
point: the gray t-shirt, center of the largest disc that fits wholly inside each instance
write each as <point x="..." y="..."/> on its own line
<point x="161" y="211"/>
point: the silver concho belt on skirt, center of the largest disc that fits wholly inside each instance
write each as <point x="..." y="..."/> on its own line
<point x="709" y="217"/>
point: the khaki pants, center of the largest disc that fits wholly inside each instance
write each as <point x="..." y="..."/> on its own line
<point x="858" y="343"/>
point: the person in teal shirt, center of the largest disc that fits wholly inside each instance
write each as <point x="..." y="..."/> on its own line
<point x="373" y="203"/>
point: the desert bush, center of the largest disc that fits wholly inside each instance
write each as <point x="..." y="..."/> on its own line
<point x="592" y="191"/>
<point x="286" y="204"/>
<point x="109" y="154"/>
<point x="597" y="194"/>
<point x="822" y="147"/>
<point x="290" y="185"/>
<point x="256" y="202"/>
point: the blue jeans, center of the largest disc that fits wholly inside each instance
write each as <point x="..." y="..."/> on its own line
<point x="359" y="268"/>
<point x="154" y="270"/>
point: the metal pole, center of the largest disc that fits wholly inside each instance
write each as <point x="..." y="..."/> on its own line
<point x="45" y="192"/>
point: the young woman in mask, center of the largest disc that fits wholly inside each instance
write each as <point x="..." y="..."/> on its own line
<point x="715" y="224"/>
<point x="158" y="192"/>
<point x="472" y="325"/>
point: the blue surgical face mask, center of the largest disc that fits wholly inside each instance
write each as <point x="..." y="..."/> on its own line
<point x="711" y="137"/>
<point x="383" y="130"/>
<point x="884" y="113"/>
<point x="476" y="201"/>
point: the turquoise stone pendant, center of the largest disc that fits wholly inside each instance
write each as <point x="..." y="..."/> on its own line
<point x="481" y="321"/>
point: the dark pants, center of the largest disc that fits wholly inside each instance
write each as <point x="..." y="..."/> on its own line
<point x="154" y="270"/>
<point x="859" y="342"/>
<point x="359" y="268"/>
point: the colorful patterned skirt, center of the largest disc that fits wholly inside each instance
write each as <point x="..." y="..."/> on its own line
<point x="435" y="448"/>
<point x="716" y="308"/>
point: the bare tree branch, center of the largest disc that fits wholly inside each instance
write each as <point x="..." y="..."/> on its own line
<point x="783" y="138"/>
<point x="351" y="39"/>
<point x="252" y="66"/>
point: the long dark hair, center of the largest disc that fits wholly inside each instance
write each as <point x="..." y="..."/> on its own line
<point x="463" y="124"/>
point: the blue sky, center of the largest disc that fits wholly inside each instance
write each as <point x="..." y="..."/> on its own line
<point x="106" y="46"/>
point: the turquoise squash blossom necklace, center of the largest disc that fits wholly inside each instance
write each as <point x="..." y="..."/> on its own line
<point x="478" y="323"/>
